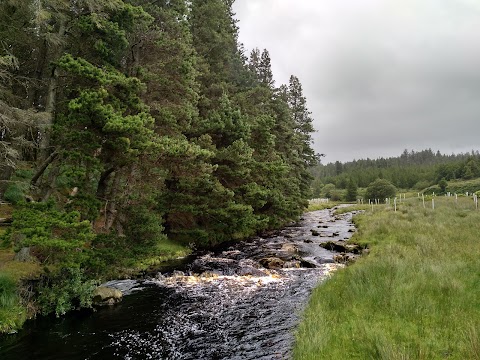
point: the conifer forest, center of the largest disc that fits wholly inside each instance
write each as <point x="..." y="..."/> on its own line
<point x="130" y="129"/>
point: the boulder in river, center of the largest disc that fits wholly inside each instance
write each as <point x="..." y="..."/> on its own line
<point x="344" y="258"/>
<point x="104" y="295"/>
<point x="342" y="247"/>
<point x="251" y="271"/>
<point x="271" y="263"/>
<point x="315" y="232"/>
<point x="292" y="264"/>
<point x="289" y="248"/>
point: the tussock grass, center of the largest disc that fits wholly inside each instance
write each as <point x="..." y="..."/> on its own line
<point x="415" y="296"/>
<point x="164" y="251"/>
<point x="12" y="313"/>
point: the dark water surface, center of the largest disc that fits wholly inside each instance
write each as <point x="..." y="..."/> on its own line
<point x="222" y="305"/>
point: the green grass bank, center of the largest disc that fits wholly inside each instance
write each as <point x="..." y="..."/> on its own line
<point x="415" y="296"/>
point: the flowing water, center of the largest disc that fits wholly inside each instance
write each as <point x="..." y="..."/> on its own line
<point x="221" y="305"/>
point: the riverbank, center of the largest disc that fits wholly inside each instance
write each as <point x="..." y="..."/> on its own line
<point x="20" y="280"/>
<point x="30" y="287"/>
<point x="415" y="296"/>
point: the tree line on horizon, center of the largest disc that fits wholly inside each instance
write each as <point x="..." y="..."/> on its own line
<point x="411" y="170"/>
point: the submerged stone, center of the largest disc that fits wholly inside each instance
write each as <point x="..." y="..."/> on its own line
<point x="272" y="263"/>
<point x="104" y="295"/>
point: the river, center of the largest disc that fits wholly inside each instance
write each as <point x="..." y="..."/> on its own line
<point x="221" y="305"/>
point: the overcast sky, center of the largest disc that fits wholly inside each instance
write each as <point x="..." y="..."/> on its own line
<point x="380" y="76"/>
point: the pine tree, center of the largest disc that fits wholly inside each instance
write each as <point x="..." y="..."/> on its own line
<point x="352" y="190"/>
<point x="265" y="70"/>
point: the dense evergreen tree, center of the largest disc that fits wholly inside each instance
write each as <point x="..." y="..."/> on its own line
<point x="352" y="191"/>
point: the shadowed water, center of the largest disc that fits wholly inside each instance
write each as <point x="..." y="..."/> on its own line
<point x="222" y="305"/>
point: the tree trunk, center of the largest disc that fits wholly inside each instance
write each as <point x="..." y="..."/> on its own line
<point x="43" y="167"/>
<point x="111" y="207"/>
<point x="51" y="102"/>
<point x="102" y="183"/>
<point x="52" y="176"/>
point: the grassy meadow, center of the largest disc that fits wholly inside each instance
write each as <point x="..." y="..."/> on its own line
<point x="416" y="295"/>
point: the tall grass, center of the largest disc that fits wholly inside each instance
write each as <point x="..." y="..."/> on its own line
<point x="8" y="294"/>
<point x="415" y="296"/>
<point x="12" y="314"/>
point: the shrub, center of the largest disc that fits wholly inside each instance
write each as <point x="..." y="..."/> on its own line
<point x="57" y="236"/>
<point x="14" y="193"/>
<point x="423" y="184"/>
<point x="442" y="184"/>
<point x="327" y="190"/>
<point x="380" y="189"/>
<point x="67" y="290"/>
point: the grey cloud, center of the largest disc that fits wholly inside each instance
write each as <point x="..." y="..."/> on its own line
<point x="379" y="75"/>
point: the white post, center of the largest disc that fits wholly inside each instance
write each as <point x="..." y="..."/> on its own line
<point x="423" y="200"/>
<point x="433" y="203"/>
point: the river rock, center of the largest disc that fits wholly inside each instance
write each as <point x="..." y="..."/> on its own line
<point x="271" y="263"/>
<point x="342" y="247"/>
<point x="289" y="248"/>
<point x="306" y="264"/>
<point x="315" y="232"/>
<point x="251" y="271"/>
<point x="344" y="258"/>
<point x="292" y="264"/>
<point x="104" y="295"/>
